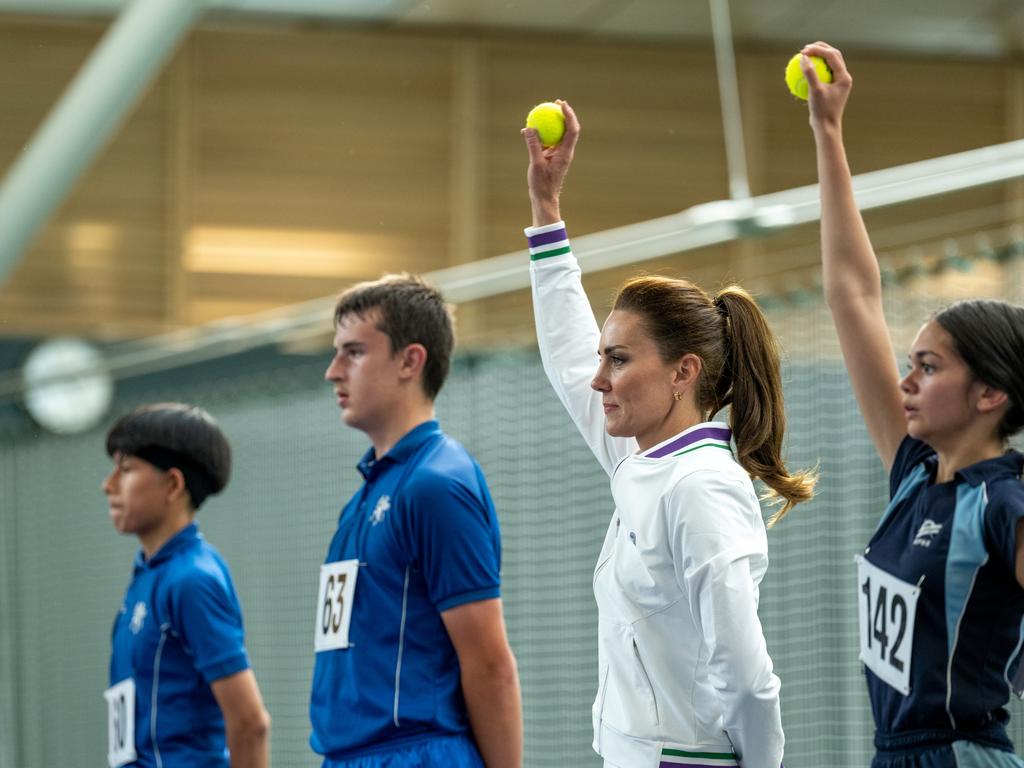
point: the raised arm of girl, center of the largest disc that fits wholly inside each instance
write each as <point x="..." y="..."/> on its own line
<point x="853" y="285"/>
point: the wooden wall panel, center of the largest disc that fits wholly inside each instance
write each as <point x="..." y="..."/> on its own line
<point x="95" y="269"/>
<point x="330" y="140"/>
<point x="272" y="165"/>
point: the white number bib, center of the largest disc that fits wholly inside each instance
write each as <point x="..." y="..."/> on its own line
<point x="120" y="723"/>
<point x="887" y="608"/>
<point x="334" y="606"/>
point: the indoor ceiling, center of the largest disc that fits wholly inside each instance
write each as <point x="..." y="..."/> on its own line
<point x="971" y="28"/>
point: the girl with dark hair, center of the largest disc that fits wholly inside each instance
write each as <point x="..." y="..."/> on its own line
<point x="685" y="677"/>
<point x="181" y="688"/>
<point x="940" y="583"/>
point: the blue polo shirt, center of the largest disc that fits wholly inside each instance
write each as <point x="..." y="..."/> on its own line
<point x="179" y="629"/>
<point x="425" y="534"/>
<point x="957" y="541"/>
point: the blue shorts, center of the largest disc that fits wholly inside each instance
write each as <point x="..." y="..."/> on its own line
<point x="432" y="752"/>
<point x="919" y="751"/>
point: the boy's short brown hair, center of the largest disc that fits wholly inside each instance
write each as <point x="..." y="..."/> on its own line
<point x="409" y="311"/>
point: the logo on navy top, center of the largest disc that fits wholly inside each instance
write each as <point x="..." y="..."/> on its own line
<point x="383" y="505"/>
<point x="138" y="618"/>
<point x="929" y="530"/>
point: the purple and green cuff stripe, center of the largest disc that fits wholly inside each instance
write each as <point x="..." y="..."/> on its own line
<point x="548" y="243"/>
<point x="680" y="758"/>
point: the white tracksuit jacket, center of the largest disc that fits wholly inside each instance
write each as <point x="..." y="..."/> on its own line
<point x="684" y="674"/>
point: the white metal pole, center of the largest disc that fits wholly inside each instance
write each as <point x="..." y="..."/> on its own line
<point x="729" y="95"/>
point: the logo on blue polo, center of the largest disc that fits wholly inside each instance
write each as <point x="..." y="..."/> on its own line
<point x="138" y="618"/>
<point x="383" y="505"/>
<point x="929" y="530"/>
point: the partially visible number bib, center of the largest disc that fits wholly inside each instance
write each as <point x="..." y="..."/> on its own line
<point x="120" y="723"/>
<point x="334" y="606"/>
<point x="887" y="608"/>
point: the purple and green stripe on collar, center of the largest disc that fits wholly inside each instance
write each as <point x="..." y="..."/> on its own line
<point x="705" y="437"/>
<point x="548" y="241"/>
<point x="681" y="758"/>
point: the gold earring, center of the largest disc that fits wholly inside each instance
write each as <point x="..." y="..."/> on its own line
<point x="677" y="395"/>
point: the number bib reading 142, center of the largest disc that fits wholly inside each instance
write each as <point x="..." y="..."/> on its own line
<point x="334" y="606"/>
<point x="120" y="723"/>
<point x="887" y="608"/>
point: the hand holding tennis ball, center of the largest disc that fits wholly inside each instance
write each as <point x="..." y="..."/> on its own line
<point x="795" y="75"/>
<point x="549" y="123"/>
<point x="550" y="164"/>
<point x="825" y="83"/>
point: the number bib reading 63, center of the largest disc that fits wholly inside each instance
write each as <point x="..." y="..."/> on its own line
<point x="120" y="723"/>
<point x="334" y="606"/>
<point x="887" y="607"/>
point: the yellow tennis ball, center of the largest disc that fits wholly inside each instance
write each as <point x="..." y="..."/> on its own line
<point x="549" y="122"/>
<point x="795" y="76"/>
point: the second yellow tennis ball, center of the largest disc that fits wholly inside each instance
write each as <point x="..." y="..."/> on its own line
<point x="549" y="122"/>
<point x="795" y="76"/>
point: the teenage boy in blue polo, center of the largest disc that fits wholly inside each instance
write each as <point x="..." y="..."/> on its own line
<point x="413" y="667"/>
<point x="181" y="688"/>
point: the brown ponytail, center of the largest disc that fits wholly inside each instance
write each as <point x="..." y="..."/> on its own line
<point x="740" y="358"/>
<point x="751" y="384"/>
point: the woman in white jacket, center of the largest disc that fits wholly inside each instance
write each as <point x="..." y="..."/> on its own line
<point x="685" y="677"/>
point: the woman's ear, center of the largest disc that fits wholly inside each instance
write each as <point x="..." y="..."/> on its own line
<point x="688" y="370"/>
<point x="989" y="398"/>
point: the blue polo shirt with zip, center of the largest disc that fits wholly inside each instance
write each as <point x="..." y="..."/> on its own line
<point x="425" y="534"/>
<point x="179" y="629"/>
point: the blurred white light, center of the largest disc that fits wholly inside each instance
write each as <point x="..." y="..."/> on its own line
<point x="67" y="387"/>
